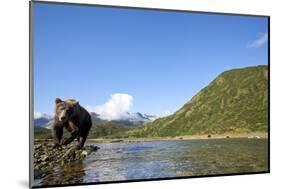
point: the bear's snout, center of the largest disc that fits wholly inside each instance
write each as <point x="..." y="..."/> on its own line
<point x="62" y="118"/>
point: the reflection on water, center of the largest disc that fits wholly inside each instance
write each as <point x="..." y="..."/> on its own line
<point x="160" y="159"/>
<point x="68" y="174"/>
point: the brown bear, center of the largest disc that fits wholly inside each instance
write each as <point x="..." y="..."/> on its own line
<point x="74" y="118"/>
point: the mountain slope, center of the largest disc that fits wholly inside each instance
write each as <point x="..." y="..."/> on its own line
<point x="235" y="102"/>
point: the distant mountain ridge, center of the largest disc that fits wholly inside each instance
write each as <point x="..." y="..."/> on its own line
<point x="41" y="120"/>
<point x="130" y="120"/>
<point x="133" y="119"/>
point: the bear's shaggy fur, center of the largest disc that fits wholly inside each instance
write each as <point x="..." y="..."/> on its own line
<point x="74" y="118"/>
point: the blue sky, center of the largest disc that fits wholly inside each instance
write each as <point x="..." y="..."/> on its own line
<point x="158" y="59"/>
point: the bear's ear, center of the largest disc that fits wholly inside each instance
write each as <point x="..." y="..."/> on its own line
<point x="75" y="103"/>
<point x="72" y="102"/>
<point x="58" y="100"/>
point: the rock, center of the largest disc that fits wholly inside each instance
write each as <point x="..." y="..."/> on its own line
<point x="84" y="153"/>
<point x="38" y="146"/>
<point x="68" y="153"/>
<point x="62" y="162"/>
<point x="38" y="174"/>
<point x="46" y="158"/>
<point x="94" y="148"/>
<point x="209" y="136"/>
<point x="43" y="164"/>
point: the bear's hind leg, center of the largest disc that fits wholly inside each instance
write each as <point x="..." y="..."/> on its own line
<point x="82" y="139"/>
<point x="81" y="142"/>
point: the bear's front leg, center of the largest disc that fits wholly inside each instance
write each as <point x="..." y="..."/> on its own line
<point x="73" y="129"/>
<point x="57" y="135"/>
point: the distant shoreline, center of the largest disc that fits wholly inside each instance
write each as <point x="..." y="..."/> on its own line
<point x="185" y="137"/>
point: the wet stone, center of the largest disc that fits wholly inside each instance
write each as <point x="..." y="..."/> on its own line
<point x="47" y="158"/>
<point x="38" y="174"/>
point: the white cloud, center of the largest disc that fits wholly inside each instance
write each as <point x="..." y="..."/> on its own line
<point x="261" y="40"/>
<point x="115" y="108"/>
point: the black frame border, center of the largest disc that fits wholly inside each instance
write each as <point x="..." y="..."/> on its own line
<point x="31" y="92"/>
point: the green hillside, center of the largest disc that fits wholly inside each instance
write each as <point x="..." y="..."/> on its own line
<point x="107" y="130"/>
<point x="42" y="133"/>
<point x="235" y="102"/>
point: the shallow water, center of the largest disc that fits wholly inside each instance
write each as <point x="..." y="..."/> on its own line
<point x="162" y="159"/>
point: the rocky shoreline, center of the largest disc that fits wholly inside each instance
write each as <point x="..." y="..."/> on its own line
<point x="46" y="158"/>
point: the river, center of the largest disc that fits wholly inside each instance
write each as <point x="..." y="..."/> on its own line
<point x="163" y="159"/>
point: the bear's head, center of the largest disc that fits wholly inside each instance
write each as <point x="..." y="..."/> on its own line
<point x="64" y="109"/>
